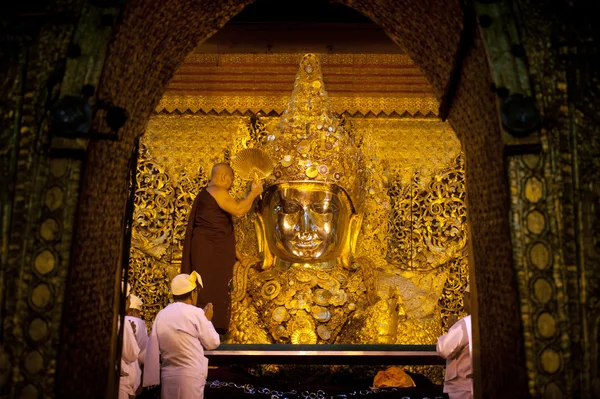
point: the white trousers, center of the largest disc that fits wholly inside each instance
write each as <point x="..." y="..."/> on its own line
<point x="182" y="387"/>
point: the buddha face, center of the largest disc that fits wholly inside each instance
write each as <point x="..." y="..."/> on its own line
<point x="306" y="222"/>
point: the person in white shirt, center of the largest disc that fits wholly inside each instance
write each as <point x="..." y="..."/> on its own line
<point x="456" y="347"/>
<point x="129" y="360"/>
<point x="180" y="333"/>
<point x="141" y="333"/>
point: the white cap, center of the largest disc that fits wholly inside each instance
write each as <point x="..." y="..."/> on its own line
<point x="135" y="302"/>
<point x="184" y="283"/>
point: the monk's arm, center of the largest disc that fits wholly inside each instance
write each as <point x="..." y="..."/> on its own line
<point x="236" y="208"/>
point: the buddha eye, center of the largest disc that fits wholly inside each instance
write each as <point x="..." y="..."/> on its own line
<point x="287" y="206"/>
<point x="324" y="207"/>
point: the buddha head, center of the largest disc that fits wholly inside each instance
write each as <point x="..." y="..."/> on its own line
<point x="310" y="212"/>
<point x="307" y="222"/>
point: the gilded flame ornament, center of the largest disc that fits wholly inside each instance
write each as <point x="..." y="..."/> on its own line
<point x="311" y="133"/>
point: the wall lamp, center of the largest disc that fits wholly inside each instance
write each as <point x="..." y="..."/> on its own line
<point x="72" y="116"/>
<point x="519" y="114"/>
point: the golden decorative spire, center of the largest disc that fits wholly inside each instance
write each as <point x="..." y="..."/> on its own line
<point x="310" y="143"/>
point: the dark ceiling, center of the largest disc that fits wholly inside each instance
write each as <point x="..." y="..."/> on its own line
<point x="297" y="26"/>
<point x="321" y="11"/>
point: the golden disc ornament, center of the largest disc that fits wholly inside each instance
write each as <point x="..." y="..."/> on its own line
<point x="322" y="297"/>
<point x="323" y="332"/>
<point x="280" y="314"/>
<point x="251" y="164"/>
<point x="300" y="322"/>
<point x="304" y="336"/>
<point x="312" y="172"/>
<point x="303" y="147"/>
<point x="287" y="160"/>
<point x="271" y="289"/>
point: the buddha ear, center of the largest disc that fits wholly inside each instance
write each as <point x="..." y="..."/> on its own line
<point x="355" y="224"/>
<point x="263" y="247"/>
<point x="352" y="239"/>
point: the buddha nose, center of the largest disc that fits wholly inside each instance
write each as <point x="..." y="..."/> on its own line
<point x="306" y="223"/>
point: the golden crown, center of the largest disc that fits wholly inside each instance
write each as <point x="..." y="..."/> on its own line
<point x="310" y="143"/>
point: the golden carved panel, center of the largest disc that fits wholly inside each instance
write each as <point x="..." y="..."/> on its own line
<point x="176" y="156"/>
<point x="273" y="103"/>
<point x="409" y="145"/>
<point x="357" y="83"/>
<point x="186" y="143"/>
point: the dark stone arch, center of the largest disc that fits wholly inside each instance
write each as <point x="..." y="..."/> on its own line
<point x="150" y="41"/>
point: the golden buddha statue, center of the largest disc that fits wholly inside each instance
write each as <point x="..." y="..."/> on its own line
<point x="310" y="286"/>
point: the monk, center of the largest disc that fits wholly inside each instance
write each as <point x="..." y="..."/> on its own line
<point x="209" y="245"/>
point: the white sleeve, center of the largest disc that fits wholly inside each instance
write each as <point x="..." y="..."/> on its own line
<point x="152" y="360"/>
<point x="142" y="357"/>
<point x="449" y="345"/>
<point x="143" y="336"/>
<point x="130" y="350"/>
<point x="207" y="334"/>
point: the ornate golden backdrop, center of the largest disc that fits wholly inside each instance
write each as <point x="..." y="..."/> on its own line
<point x="357" y="83"/>
<point x="407" y="270"/>
<point x="420" y="157"/>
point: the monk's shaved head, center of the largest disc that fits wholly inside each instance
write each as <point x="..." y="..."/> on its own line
<point x="222" y="176"/>
<point x="221" y="169"/>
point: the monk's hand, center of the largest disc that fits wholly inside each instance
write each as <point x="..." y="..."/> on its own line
<point x="257" y="187"/>
<point x="208" y="311"/>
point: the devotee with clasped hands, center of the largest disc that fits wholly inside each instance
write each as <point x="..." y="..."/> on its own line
<point x="128" y="379"/>
<point x="180" y="333"/>
<point x="209" y="244"/>
<point x="456" y="347"/>
<point x="138" y="326"/>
